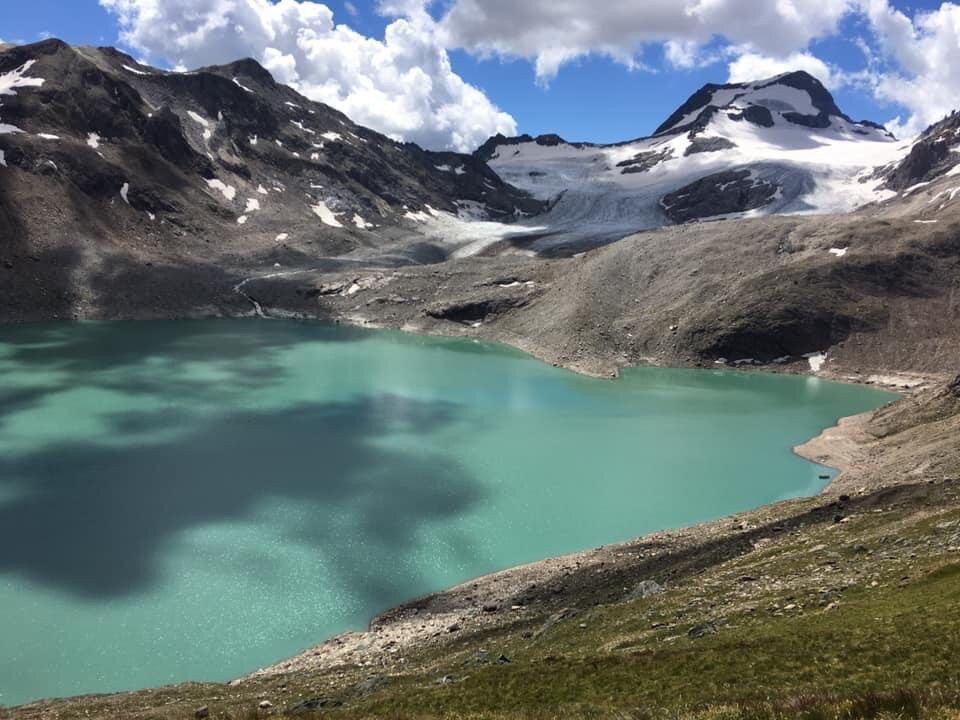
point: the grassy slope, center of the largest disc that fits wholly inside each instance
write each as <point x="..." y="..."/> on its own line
<point x="814" y="618"/>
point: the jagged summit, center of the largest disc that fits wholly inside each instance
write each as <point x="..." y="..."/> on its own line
<point x="795" y="98"/>
<point x="934" y="154"/>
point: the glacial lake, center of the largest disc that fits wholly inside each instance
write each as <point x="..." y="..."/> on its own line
<point x="194" y="500"/>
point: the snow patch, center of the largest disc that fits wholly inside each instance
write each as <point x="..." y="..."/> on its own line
<point x="6" y="129"/>
<point x="926" y="222"/>
<point x="360" y="222"/>
<point x="124" y="191"/>
<point x="304" y="129"/>
<point x="135" y="71"/>
<point x="242" y="220"/>
<point x="419" y="216"/>
<point x="332" y="136"/>
<point x="3" y="159"/>
<point x="913" y="188"/>
<point x="48" y="136"/>
<point x="93" y="140"/>
<point x="839" y="252"/>
<point x="281" y="237"/>
<point x="241" y="86"/>
<point x="254" y="140"/>
<point x="17" y="79"/>
<point x="262" y="190"/>
<point x="196" y="117"/>
<point x="326" y="215"/>
<point x="252" y="205"/>
<point x="816" y="360"/>
<point x="466" y="232"/>
<point x="229" y="191"/>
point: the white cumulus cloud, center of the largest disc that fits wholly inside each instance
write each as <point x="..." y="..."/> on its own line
<point x="403" y="85"/>
<point x="554" y="32"/>
<point x="912" y="57"/>
<point x="924" y="54"/>
<point x="754" y="66"/>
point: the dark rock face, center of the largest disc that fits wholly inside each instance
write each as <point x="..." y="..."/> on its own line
<point x="931" y="157"/>
<point x="476" y="311"/>
<point x="820" y="98"/>
<point x="100" y="122"/>
<point x="731" y="191"/>
<point x="164" y="131"/>
<point x="820" y="121"/>
<point x="490" y="147"/>
<point x="645" y="161"/>
<point x="756" y="114"/>
<point x="499" y="142"/>
<point x="550" y="140"/>
<point x="706" y="145"/>
<point x="954" y="387"/>
<point x="76" y="94"/>
<point x="818" y="310"/>
<point x="699" y="99"/>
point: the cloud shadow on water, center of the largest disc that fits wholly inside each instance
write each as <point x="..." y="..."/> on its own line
<point x="93" y="519"/>
<point x="113" y="356"/>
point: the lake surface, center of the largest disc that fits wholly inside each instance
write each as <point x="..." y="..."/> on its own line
<point x="193" y="500"/>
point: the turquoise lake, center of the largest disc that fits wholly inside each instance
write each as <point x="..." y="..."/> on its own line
<point x="194" y="500"/>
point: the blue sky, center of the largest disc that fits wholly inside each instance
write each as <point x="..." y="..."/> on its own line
<point x="591" y="98"/>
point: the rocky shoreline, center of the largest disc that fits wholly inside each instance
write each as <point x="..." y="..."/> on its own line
<point x="483" y="601"/>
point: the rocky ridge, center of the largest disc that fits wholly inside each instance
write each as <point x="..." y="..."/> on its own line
<point x="95" y="143"/>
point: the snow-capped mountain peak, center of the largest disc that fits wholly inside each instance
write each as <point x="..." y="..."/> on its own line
<point x="791" y="99"/>
<point x="779" y="145"/>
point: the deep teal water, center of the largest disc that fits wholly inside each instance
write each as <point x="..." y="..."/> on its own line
<point x="193" y="500"/>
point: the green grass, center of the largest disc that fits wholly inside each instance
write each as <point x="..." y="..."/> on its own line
<point x="885" y="642"/>
<point x="905" y="637"/>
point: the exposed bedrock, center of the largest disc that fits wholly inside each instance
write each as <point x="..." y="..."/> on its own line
<point x="731" y="191"/>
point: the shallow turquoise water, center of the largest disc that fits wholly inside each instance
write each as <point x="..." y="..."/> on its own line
<point x="197" y="499"/>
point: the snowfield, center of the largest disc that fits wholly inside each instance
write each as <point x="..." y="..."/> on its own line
<point x="606" y="192"/>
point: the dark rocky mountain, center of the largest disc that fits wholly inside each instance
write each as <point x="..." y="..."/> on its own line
<point x="194" y="152"/>
<point x="935" y="153"/>
<point x="757" y="101"/>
